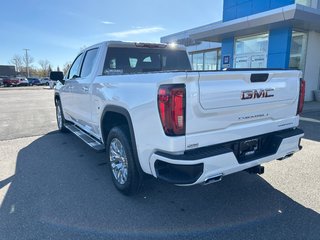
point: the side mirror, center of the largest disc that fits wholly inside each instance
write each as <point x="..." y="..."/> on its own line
<point x="57" y="76"/>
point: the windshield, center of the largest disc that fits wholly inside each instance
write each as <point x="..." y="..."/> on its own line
<point x="139" y="60"/>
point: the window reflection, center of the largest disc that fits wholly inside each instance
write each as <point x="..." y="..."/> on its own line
<point x="252" y="44"/>
<point x="304" y="2"/>
<point x="298" y="50"/>
<point x="197" y="61"/>
<point x="207" y="60"/>
<point x="251" y="51"/>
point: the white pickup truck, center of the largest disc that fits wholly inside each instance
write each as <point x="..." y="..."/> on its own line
<point x="152" y="114"/>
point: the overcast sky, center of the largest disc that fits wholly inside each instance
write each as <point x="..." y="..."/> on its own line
<point x="57" y="29"/>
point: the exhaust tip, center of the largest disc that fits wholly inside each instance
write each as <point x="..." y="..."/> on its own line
<point x="213" y="179"/>
<point x="286" y="156"/>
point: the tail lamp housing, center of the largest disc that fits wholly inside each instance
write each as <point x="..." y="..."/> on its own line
<point x="172" y="109"/>
<point x="301" y="96"/>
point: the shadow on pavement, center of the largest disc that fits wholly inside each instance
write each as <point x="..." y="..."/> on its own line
<point x="62" y="190"/>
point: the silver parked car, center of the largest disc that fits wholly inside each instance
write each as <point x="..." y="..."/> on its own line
<point x="45" y="81"/>
<point x="23" y="81"/>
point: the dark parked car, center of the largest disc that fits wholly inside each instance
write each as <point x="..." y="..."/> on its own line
<point x="34" y="81"/>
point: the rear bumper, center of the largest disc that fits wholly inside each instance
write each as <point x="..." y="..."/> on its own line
<point x="197" y="166"/>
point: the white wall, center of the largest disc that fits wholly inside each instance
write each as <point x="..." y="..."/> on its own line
<point x="312" y="69"/>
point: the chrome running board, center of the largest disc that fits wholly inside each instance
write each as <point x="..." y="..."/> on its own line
<point x="87" y="138"/>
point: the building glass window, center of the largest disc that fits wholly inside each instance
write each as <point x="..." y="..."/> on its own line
<point x="251" y="51"/>
<point x="298" y="50"/>
<point x="208" y="60"/>
<point x="252" y="44"/>
<point x="197" y="61"/>
<point x="304" y="2"/>
<point x="219" y="60"/>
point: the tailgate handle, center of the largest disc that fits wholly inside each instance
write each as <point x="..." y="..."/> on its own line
<point x="259" y="77"/>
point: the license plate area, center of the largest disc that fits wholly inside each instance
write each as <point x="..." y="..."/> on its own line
<point x="249" y="147"/>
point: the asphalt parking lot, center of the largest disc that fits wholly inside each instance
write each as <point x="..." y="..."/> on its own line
<point x="52" y="186"/>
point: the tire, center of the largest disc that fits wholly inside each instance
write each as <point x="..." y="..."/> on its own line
<point x="60" y="118"/>
<point x="122" y="164"/>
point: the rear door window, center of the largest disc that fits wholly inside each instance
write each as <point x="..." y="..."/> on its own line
<point x="88" y="62"/>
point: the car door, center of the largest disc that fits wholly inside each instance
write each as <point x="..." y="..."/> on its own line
<point x="81" y="91"/>
<point x="66" y="91"/>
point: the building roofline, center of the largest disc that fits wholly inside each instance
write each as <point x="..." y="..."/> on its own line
<point x="186" y="33"/>
<point x="294" y="15"/>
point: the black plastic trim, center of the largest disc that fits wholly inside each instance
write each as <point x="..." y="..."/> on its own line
<point x="125" y="113"/>
<point x="197" y="154"/>
<point x="178" y="174"/>
<point x="259" y="77"/>
<point x="272" y="141"/>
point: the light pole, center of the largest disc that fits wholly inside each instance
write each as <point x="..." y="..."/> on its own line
<point x="27" y="61"/>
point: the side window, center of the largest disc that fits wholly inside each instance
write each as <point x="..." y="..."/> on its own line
<point x="133" y="62"/>
<point x="74" y="71"/>
<point x="147" y="59"/>
<point x="88" y="62"/>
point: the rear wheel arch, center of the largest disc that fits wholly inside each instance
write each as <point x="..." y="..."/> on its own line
<point x="113" y="116"/>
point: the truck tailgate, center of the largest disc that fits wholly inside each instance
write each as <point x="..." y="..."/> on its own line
<point x="226" y="106"/>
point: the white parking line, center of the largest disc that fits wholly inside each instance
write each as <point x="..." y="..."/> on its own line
<point x="309" y="120"/>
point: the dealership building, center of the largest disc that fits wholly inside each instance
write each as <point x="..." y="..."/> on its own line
<point x="259" y="34"/>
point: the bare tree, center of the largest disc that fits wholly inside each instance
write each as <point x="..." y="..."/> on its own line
<point x="18" y="62"/>
<point x="82" y="48"/>
<point x="66" y="67"/>
<point x="44" y="65"/>
<point x="27" y="59"/>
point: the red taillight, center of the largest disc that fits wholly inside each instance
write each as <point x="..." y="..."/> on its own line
<point x="171" y="104"/>
<point x="301" y="95"/>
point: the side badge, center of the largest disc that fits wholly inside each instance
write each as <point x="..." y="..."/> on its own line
<point x="191" y="146"/>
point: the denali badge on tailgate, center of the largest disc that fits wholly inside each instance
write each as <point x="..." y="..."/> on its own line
<point x="257" y="93"/>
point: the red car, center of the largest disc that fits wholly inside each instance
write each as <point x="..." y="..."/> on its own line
<point x="11" y="81"/>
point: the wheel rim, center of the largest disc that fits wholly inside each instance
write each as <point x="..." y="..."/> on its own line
<point x="59" y="117"/>
<point x="118" y="160"/>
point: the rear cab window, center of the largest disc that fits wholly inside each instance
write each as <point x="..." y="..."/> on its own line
<point x="142" y="60"/>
